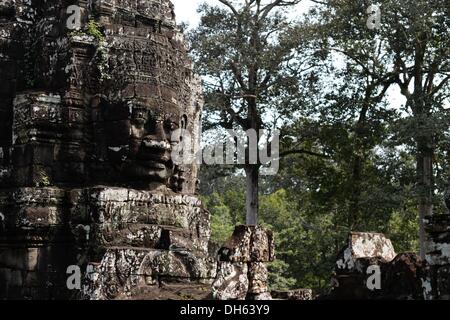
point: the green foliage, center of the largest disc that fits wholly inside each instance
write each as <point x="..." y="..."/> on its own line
<point x="351" y="161"/>
<point x="403" y="230"/>
<point x="93" y="29"/>
<point x="279" y="278"/>
<point x="408" y="53"/>
<point x="103" y="62"/>
<point x="222" y="226"/>
<point x="276" y="210"/>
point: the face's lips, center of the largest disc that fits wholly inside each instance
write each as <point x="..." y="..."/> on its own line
<point x="149" y="156"/>
<point x="148" y="160"/>
<point x="148" y="172"/>
<point x="154" y="165"/>
<point x="161" y="145"/>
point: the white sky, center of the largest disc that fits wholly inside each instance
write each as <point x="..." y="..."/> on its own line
<point x="186" y="10"/>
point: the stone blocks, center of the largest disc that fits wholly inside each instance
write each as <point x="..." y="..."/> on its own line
<point x="242" y="273"/>
<point x="437" y="285"/>
<point x="124" y="271"/>
<point x="249" y="244"/>
<point x="299" y="295"/>
<point x="86" y="175"/>
<point x="369" y="268"/>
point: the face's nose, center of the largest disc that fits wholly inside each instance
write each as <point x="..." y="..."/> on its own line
<point x="158" y="139"/>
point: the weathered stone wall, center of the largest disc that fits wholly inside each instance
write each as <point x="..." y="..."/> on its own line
<point x="72" y="97"/>
<point x="36" y="245"/>
<point x="138" y="241"/>
<point x="402" y="277"/>
<point x="87" y="125"/>
<point x="437" y="283"/>
<point x="242" y="272"/>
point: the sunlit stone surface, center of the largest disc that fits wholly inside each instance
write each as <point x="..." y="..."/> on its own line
<point x="87" y="122"/>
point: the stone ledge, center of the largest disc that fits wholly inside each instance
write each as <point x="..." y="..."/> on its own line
<point x="298" y="294"/>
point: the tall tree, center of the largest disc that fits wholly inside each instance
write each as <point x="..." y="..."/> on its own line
<point x="243" y="49"/>
<point x="414" y="40"/>
<point x="420" y="42"/>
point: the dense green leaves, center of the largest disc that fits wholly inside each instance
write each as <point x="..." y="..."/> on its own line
<point x="353" y="157"/>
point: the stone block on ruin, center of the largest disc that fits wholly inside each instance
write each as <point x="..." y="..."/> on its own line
<point x="364" y="246"/>
<point x="231" y="282"/>
<point x="438" y="239"/>
<point x="298" y="294"/>
<point x="125" y="270"/>
<point x="249" y="244"/>
<point x="258" y="277"/>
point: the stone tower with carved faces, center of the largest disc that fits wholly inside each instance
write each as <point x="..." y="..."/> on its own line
<point x="89" y="119"/>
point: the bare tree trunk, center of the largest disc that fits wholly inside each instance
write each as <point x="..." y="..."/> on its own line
<point x="355" y="196"/>
<point x="425" y="178"/>
<point x="252" y="204"/>
<point x="358" y="163"/>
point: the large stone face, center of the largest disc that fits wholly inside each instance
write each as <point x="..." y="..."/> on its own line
<point x="89" y="120"/>
<point x="100" y="105"/>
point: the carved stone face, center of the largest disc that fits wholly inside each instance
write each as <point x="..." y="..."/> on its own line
<point x="86" y="136"/>
<point x="120" y="99"/>
<point x="137" y="139"/>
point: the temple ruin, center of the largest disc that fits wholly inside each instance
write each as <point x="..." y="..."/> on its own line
<point x="88" y="121"/>
<point x="88" y="117"/>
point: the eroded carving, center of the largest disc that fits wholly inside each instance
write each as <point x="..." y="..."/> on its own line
<point x="88" y="122"/>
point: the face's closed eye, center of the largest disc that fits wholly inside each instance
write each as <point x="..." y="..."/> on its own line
<point x="143" y="122"/>
<point x="170" y="126"/>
